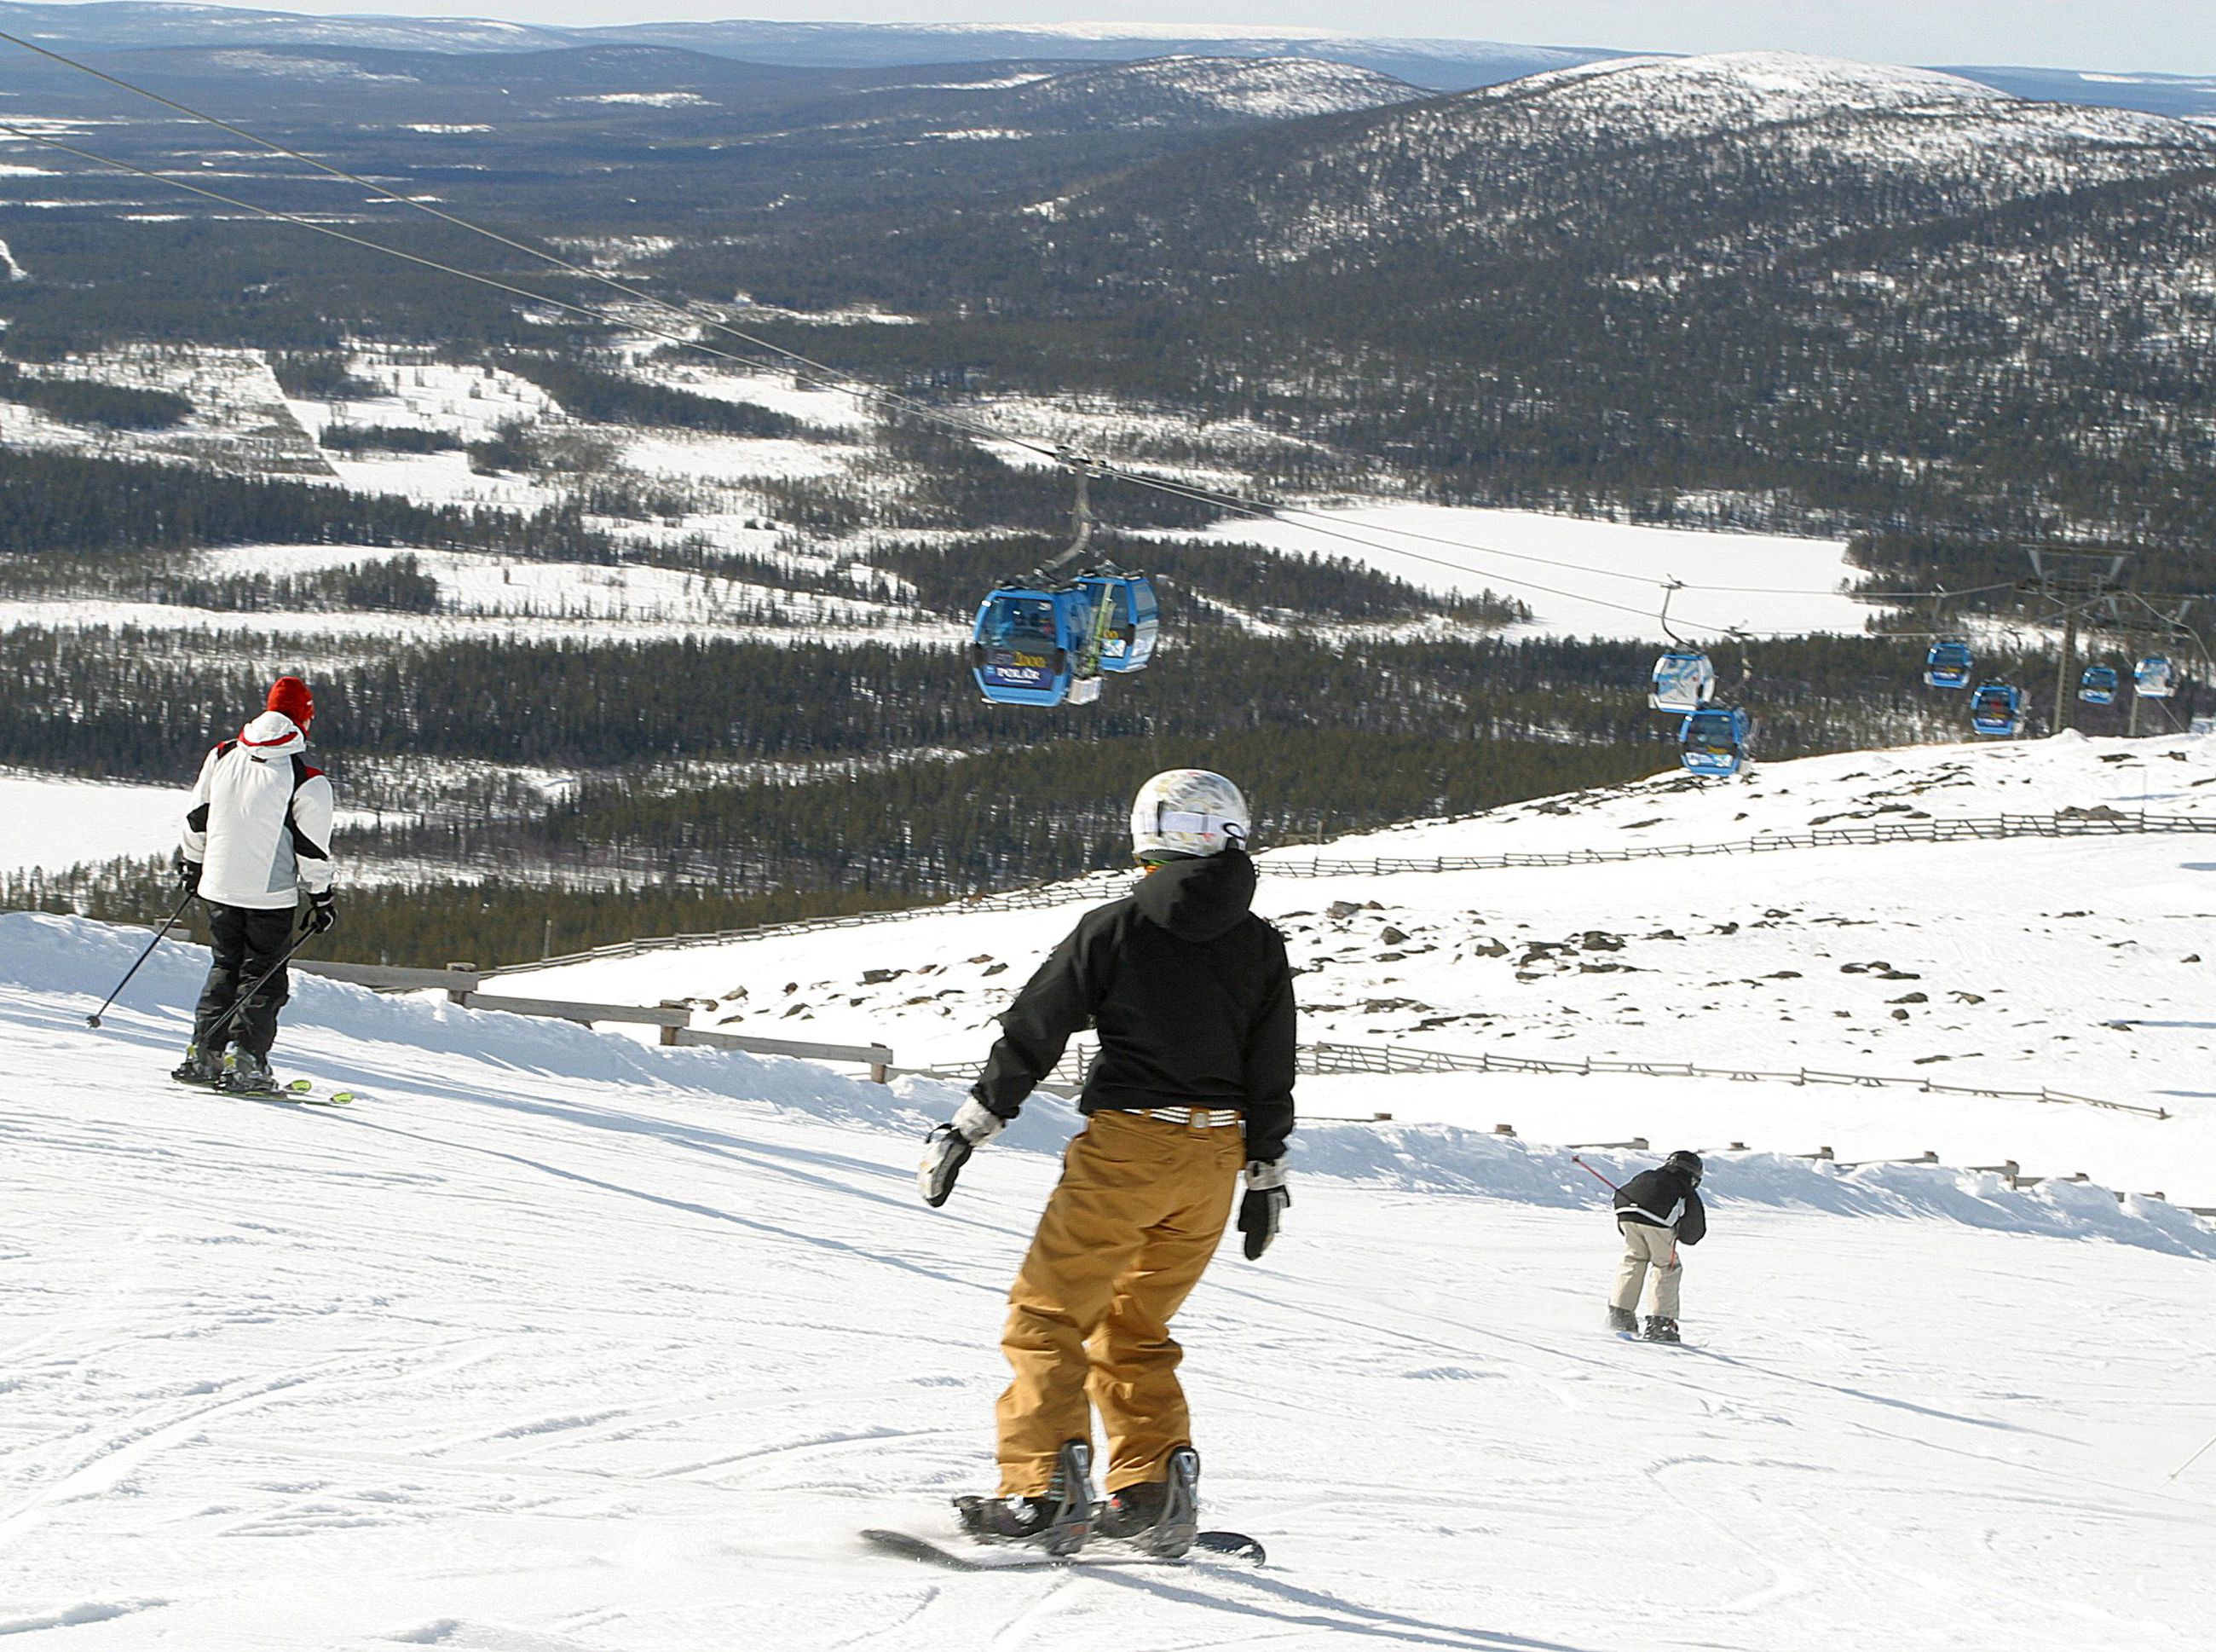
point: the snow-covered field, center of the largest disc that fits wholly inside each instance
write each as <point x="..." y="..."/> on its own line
<point x="54" y="823"/>
<point x="1584" y="578"/>
<point x="559" y="1344"/>
<point x="2079" y="965"/>
<point x="58" y="823"/>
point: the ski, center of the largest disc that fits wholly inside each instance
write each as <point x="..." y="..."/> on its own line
<point x="1100" y="1551"/>
<point x="301" y="1091"/>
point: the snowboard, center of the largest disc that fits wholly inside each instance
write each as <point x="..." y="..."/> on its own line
<point x="1647" y="1341"/>
<point x="1018" y="1558"/>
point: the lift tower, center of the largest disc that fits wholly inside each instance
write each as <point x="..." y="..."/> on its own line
<point x="2074" y="581"/>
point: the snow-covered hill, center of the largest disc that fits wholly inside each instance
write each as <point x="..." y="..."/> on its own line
<point x="559" y="1344"/>
<point x="1160" y="89"/>
<point x="2076" y="965"/>
<point x="1484" y="168"/>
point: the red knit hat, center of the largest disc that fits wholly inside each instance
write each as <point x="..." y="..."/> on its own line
<point x="290" y="695"/>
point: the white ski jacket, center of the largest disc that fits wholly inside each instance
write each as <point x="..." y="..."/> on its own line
<point x="260" y="820"/>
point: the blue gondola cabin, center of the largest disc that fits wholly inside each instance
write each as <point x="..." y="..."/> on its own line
<point x="1949" y="664"/>
<point x="1683" y="681"/>
<point x="1712" y="741"/>
<point x="1997" y="709"/>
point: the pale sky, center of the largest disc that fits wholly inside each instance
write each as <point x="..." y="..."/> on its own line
<point x="2163" y="36"/>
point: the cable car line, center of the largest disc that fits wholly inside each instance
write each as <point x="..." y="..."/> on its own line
<point x="823" y="373"/>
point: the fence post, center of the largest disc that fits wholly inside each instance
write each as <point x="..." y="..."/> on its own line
<point x="669" y="1034"/>
<point x="460" y="994"/>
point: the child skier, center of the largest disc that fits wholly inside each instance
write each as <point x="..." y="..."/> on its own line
<point x="1193" y="998"/>
<point x="257" y="837"/>
<point x="1657" y="1211"/>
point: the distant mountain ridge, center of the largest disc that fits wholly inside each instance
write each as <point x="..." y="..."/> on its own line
<point x="1438" y="65"/>
<point x="1896" y="295"/>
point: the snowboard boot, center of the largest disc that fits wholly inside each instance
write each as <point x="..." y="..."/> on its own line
<point x="204" y="1072"/>
<point x="1162" y="1516"/>
<point x="1659" y="1330"/>
<point x="1059" y="1522"/>
<point x="250" y="1075"/>
<point x="1623" y="1319"/>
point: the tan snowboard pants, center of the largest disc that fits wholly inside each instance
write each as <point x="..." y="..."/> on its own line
<point x="1645" y="1247"/>
<point x="1127" y="1235"/>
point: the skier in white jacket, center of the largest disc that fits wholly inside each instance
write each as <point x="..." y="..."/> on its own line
<point x="257" y="839"/>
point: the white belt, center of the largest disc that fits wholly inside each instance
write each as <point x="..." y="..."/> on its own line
<point x="1195" y="1118"/>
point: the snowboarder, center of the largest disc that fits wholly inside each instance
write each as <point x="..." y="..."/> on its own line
<point x="257" y="839"/>
<point x="1193" y="998"/>
<point x="1657" y="1211"/>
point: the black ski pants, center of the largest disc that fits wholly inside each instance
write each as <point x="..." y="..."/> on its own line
<point x="248" y="942"/>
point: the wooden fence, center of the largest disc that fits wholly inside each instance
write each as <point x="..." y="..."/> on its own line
<point x="460" y="983"/>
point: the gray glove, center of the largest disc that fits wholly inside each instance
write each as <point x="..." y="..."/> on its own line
<point x="1261" y="1211"/>
<point x="948" y="1148"/>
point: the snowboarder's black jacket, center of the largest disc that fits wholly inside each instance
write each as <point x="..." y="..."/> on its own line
<point x="1192" y="993"/>
<point x="1662" y="1198"/>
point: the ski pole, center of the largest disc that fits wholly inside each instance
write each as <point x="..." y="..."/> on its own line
<point x="1594" y="1173"/>
<point x="267" y="976"/>
<point x="2190" y="1461"/>
<point x="168" y="924"/>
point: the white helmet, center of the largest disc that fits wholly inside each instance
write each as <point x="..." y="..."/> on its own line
<point x="1187" y="811"/>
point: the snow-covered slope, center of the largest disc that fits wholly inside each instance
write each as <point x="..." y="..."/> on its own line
<point x="2077" y="966"/>
<point x="558" y="1344"/>
<point x="1204" y="87"/>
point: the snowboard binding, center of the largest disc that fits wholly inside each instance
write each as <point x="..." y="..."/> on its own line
<point x="1058" y="1522"/>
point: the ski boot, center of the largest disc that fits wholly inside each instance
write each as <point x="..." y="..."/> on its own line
<point x="1162" y="1517"/>
<point x="203" y="1072"/>
<point x="1623" y="1319"/>
<point x="250" y="1075"/>
<point x="1659" y="1330"/>
<point x="1059" y="1522"/>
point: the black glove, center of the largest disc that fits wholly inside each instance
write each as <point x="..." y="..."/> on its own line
<point x="188" y="875"/>
<point x="322" y="912"/>
<point x="1264" y="1207"/>
<point x="948" y="1148"/>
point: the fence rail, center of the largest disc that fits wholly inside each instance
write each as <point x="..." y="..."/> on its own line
<point x="390" y="977"/>
<point x="674" y="1017"/>
<point x="2095" y="823"/>
<point x="1401" y="1060"/>
<point x="2085" y="823"/>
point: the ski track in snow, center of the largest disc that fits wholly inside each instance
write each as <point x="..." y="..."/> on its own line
<point x="558" y="1341"/>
